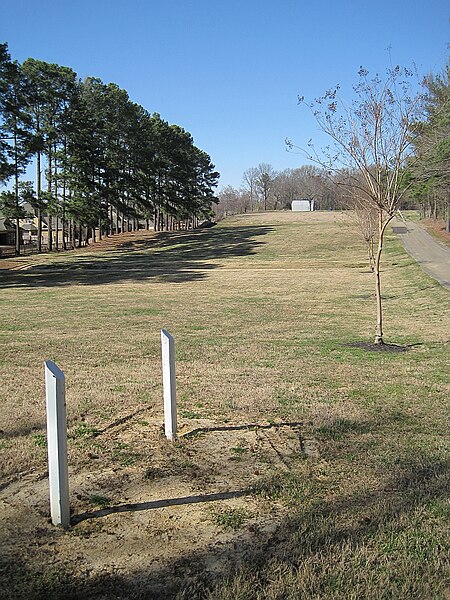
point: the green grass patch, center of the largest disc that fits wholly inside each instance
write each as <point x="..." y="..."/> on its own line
<point x="99" y="500"/>
<point x="40" y="440"/>
<point x="230" y="518"/>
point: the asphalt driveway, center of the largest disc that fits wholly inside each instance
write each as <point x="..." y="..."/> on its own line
<point x="433" y="257"/>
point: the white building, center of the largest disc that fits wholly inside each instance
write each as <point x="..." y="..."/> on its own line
<point x="302" y="205"/>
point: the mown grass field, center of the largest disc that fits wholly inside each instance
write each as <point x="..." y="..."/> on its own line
<point x="264" y="310"/>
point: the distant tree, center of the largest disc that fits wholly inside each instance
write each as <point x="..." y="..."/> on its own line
<point x="103" y="163"/>
<point x="285" y="189"/>
<point x="48" y="95"/>
<point x="372" y="139"/>
<point x="365" y="215"/>
<point x="249" y="180"/>
<point x="6" y="68"/>
<point x="229" y="200"/>
<point x="310" y="182"/>
<point x="15" y="149"/>
<point x="264" y="182"/>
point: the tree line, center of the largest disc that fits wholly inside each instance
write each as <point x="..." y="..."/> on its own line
<point x="104" y="164"/>
<point x="264" y="188"/>
<point x="424" y="168"/>
<point x="430" y="168"/>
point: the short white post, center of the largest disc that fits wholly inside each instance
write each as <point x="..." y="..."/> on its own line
<point x="58" y="473"/>
<point x="168" y="368"/>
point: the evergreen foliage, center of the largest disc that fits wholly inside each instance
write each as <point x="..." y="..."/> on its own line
<point x="430" y="169"/>
<point x="104" y="164"/>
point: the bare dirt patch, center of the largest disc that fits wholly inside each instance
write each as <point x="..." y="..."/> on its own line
<point x="195" y="494"/>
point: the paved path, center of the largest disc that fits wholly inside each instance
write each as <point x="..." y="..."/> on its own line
<point x="433" y="257"/>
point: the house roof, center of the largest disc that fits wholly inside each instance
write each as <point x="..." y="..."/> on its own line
<point x="29" y="227"/>
<point x="6" y="224"/>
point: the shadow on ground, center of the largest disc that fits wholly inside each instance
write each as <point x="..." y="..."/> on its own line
<point x="326" y="534"/>
<point x="174" y="257"/>
<point x="153" y="504"/>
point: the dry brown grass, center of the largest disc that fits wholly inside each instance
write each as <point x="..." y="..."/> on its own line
<point x="437" y="228"/>
<point x="261" y="308"/>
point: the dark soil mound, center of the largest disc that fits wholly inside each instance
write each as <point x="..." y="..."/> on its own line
<point x="378" y="347"/>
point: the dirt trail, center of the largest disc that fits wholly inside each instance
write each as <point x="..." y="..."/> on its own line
<point x="433" y="257"/>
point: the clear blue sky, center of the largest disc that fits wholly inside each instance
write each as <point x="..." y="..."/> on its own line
<point x="230" y="71"/>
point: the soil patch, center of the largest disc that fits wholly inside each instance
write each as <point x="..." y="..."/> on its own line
<point x="191" y="512"/>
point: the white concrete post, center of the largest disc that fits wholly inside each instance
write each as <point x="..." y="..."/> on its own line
<point x="168" y="368"/>
<point x="57" y="444"/>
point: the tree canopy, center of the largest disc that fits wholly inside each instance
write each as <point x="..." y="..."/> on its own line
<point x="430" y="167"/>
<point x="103" y="162"/>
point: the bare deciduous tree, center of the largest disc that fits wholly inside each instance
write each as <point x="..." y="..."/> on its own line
<point x="371" y="141"/>
<point x="365" y="216"/>
<point x="310" y="182"/>
<point x="249" y="180"/>
<point x="264" y="181"/>
<point x="284" y="189"/>
<point x="232" y="202"/>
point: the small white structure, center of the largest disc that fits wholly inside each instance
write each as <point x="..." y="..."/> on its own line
<point x="302" y="205"/>
<point x="168" y="368"/>
<point x="58" y="473"/>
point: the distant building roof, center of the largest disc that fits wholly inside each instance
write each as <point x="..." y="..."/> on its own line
<point x="6" y="224"/>
<point x="29" y="227"/>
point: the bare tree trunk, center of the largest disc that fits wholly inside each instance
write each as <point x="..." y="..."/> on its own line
<point x="55" y="162"/>
<point x="71" y="234"/>
<point x="16" y="196"/>
<point x="64" y="221"/>
<point x="381" y="230"/>
<point x="371" y="256"/>
<point x="38" y="194"/>
<point x="49" y="189"/>
<point x="110" y="230"/>
<point x="379" y="331"/>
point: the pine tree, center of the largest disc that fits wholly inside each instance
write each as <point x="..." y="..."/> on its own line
<point x="15" y="135"/>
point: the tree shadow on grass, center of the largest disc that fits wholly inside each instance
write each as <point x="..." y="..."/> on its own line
<point x="309" y="547"/>
<point x="385" y="347"/>
<point x="174" y="257"/>
<point x="336" y="539"/>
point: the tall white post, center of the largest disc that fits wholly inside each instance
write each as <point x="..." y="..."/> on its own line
<point x="57" y="444"/>
<point x="168" y="368"/>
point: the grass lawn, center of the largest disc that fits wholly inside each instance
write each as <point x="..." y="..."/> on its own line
<point x="310" y="466"/>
